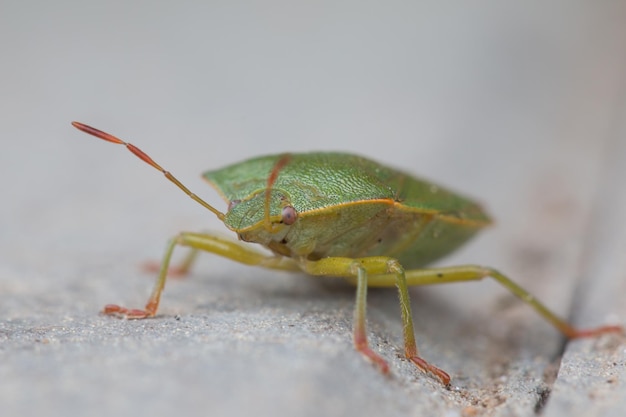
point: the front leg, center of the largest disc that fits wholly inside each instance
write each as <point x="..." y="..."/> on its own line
<point x="198" y="241"/>
<point x="361" y="268"/>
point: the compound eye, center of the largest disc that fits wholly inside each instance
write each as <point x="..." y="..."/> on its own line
<point x="232" y="204"/>
<point x="289" y="215"/>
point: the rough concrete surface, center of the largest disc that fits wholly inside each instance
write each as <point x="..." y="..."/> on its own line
<point x="520" y="106"/>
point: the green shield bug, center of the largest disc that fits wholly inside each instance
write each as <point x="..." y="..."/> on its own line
<point x="337" y="214"/>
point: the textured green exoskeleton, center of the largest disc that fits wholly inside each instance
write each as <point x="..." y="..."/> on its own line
<point x="337" y="214"/>
<point x="346" y="206"/>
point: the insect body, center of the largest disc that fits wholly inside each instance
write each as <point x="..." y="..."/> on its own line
<point x="346" y="206"/>
<point x="337" y="214"/>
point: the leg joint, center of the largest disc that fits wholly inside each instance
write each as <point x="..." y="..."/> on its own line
<point x="394" y="266"/>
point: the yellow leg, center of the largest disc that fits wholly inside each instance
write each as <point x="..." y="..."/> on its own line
<point x="362" y="269"/>
<point x="473" y="273"/>
<point x="198" y="241"/>
<point x="377" y="271"/>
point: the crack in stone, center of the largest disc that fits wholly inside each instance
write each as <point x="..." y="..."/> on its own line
<point x="550" y="373"/>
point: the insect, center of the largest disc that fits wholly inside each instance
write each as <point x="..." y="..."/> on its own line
<point x="337" y="214"/>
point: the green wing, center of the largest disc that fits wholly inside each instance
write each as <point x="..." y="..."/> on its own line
<point x="324" y="179"/>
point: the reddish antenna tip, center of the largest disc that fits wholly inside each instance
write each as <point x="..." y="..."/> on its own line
<point x="97" y="133"/>
<point x="144" y="157"/>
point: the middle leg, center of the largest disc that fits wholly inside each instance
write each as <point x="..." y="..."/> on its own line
<point x="360" y="269"/>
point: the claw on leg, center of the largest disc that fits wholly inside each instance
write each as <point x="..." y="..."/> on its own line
<point x="574" y="333"/>
<point x="363" y="347"/>
<point x="129" y="313"/>
<point x="431" y="369"/>
<point x="123" y="312"/>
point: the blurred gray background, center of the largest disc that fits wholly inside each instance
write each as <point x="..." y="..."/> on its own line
<point x="518" y="104"/>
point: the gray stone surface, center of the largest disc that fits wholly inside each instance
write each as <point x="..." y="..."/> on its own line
<point x="520" y="106"/>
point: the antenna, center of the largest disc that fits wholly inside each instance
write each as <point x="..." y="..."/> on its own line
<point x="144" y="157"/>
